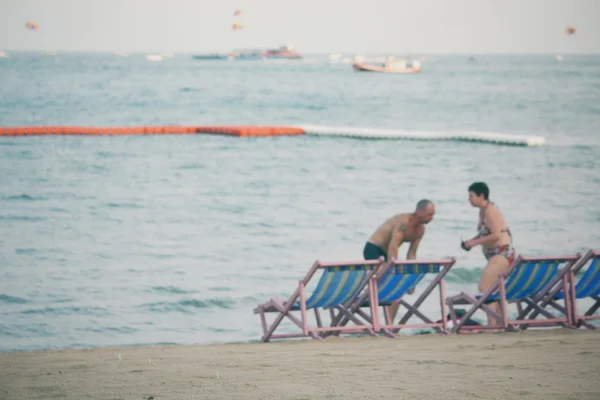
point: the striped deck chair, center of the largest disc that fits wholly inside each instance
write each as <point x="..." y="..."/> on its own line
<point x="587" y="286"/>
<point x="339" y="285"/>
<point x="392" y="282"/>
<point x="528" y="280"/>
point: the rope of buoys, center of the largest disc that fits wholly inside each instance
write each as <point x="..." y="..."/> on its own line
<point x="310" y="130"/>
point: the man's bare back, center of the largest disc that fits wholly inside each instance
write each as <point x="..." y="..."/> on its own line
<point x="398" y="229"/>
<point x="401" y="222"/>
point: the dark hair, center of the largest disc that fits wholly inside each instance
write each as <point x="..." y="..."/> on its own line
<point x="480" y="188"/>
<point x="422" y="204"/>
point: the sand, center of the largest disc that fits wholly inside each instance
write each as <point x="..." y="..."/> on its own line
<point x="555" y="364"/>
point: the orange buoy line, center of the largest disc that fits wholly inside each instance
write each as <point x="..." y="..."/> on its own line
<point x="250" y="130"/>
<point x="150" y="130"/>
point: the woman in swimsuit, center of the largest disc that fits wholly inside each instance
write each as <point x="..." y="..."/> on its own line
<point x="493" y="236"/>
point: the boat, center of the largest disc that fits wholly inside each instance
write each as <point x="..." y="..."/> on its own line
<point x="214" y="56"/>
<point x="283" y="52"/>
<point x="154" y="57"/>
<point x="390" y="66"/>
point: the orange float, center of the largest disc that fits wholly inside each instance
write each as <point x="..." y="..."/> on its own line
<point x="240" y="131"/>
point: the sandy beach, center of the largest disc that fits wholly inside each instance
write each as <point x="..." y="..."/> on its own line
<point x="556" y="364"/>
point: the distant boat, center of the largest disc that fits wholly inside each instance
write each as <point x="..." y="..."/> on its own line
<point x="390" y="66"/>
<point x="335" y="57"/>
<point x="154" y="57"/>
<point x="214" y="56"/>
<point x="283" y="52"/>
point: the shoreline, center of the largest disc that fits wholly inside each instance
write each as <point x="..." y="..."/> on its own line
<point x="543" y="364"/>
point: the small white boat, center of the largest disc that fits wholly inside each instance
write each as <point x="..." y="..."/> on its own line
<point x="390" y="66"/>
<point x="154" y="57"/>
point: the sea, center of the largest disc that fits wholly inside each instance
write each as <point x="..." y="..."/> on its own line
<point x="176" y="239"/>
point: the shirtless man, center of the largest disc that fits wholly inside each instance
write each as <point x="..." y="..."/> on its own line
<point x="396" y="230"/>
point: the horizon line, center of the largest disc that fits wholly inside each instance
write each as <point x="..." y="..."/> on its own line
<point x="188" y="52"/>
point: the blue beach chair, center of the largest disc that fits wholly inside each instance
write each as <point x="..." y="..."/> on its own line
<point x="587" y="286"/>
<point x="392" y="282"/>
<point x="339" y="285"/>
<point x="528" y="280"/>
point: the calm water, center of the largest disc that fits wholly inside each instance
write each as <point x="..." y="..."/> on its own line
<point x="175" y="239"/>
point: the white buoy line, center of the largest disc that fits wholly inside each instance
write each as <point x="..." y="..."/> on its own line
<point x="391" y="134"/>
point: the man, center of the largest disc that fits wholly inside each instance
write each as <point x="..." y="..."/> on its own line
<point x="399" y="229"/>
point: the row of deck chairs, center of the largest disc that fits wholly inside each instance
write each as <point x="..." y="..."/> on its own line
<point x="545" y="290"/>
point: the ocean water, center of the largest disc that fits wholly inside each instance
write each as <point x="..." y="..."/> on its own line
<point x="129" y="240"/>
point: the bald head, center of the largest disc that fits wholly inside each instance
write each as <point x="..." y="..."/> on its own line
<point x="423" y="204"/>
<point x="425" y="211"/>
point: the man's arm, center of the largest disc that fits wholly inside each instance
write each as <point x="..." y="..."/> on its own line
<point x="412" y="250"/>
<point x="412" y="254"/>
<point x="395" y="241"/>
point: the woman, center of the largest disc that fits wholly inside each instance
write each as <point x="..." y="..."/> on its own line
<point x="494" y="237"/>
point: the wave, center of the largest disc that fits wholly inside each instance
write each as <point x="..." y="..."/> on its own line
<point x="188" y="306"/>
<point x="172" y="289"/>
<point x="23" y="196"/>
<point x="27" y="251"/>
<point x="123" y="205"/>
<point x="463" y="275"/>
<point x="95" y="311"/>
<point x="21" y="218"/>
<point x="4" y="298"/>
<point x="108" y="329"/>
<point x="192" y="166"/>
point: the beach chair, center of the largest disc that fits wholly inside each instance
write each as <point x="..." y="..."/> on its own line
<point x="587" y="286"/>
<point x="338" y="285"/>
<point x="528" y="280"/>
<point x="392" y="281"/>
